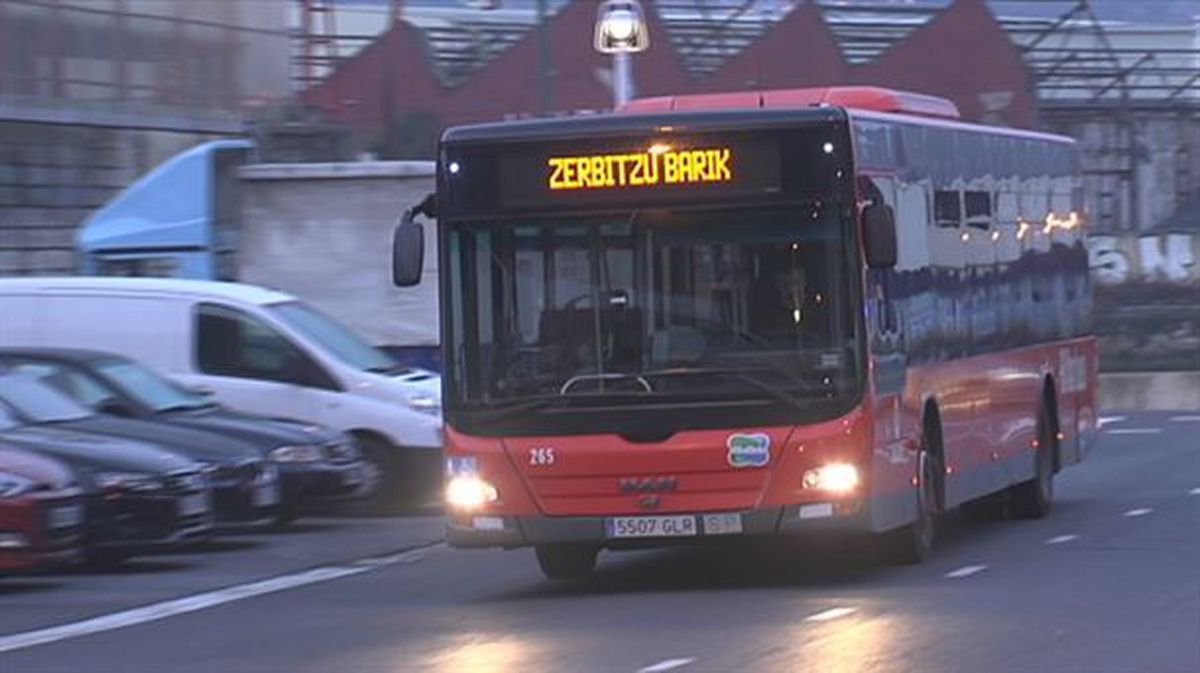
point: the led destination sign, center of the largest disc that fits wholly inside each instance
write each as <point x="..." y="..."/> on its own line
<point x="659" y="165"/>
<point x="629" y="172"/>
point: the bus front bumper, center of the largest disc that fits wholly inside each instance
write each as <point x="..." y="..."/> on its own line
<point x="489" y="530"/>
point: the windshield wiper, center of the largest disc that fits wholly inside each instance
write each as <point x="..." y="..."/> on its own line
<point x="602" y="378"/>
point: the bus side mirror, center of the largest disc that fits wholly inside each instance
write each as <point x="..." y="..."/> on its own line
<point x="879" y="236"/>
<point x="408" y="251"/>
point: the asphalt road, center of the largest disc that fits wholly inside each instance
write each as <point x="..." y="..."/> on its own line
<point x="1109" y="582"/>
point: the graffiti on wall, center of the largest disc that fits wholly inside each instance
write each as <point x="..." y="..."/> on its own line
<point x="1154" y="258"/>
<point x="1147" y="300"/>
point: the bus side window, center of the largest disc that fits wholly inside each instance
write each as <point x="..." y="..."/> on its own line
<point x="947" y="208"/>
<point x="978" y="209"/>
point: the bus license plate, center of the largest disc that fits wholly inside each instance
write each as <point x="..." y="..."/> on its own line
<point x="191" y="505"/>
<point x="650" y="526"/>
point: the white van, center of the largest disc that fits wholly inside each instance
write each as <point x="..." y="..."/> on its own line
<point x="253" y="349"/>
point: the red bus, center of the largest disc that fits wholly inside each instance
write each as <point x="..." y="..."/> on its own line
<point x="754" y="314"/>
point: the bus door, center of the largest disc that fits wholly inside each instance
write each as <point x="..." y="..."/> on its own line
<point x="893" y="467"/>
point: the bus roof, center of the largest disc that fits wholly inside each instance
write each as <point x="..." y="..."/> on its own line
<point x="855" y="97"/>
<point x="234" y="292"/>
<point x="736" y="109"/>
<point x="617" y="124"/>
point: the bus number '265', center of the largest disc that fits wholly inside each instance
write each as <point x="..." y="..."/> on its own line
<point x="541" y="455"/>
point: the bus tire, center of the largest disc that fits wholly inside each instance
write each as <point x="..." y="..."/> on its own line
<point x="566" y="561"/>
<point x="913" y="543"/>
<point x="1033" y="499"/>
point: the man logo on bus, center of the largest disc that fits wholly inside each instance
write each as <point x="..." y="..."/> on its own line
<point x="749" y="450"/>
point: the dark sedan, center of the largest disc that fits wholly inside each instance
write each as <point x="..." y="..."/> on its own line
<point x="136" y="497"/>
<point x="41" y="512"/>
<point x="245" y="486"/>
<point x="315" y="463"/>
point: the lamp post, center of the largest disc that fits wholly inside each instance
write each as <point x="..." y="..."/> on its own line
<point x="621" y="30"/>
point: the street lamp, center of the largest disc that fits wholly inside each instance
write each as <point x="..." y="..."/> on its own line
<point x="621" y="31"/>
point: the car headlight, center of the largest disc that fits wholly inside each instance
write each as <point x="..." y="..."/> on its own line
<point x="12" y="485"/>
<point x="425" y="403"/>
<point x="14" y="541"/>
<point x="128" y="481"/>
<point x="299" y="453"/>
<point x="834" y="477"/>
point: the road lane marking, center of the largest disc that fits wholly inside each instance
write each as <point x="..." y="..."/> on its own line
<point x="1134" y="431"/>
<point x="1185" y="419"/>
<point x="1105" y="420"/>
<point x="401" y="558"/>
<point x="965" y="571"/>
<point x="1059" y="539"/>
<point x="830" y="614"/>
<point x="179" y="606"/>
<point x="1141" y="511"/>
<point x="667" y="665"/>
<point x="196" y="602"/>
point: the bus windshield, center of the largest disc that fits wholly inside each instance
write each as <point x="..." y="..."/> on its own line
<point x="653" y="305"/>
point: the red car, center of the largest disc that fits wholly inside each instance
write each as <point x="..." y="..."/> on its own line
<point x="41" y="512"/>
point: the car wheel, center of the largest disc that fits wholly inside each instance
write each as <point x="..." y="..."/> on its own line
<point x="384" y="474"/>
<point x="566" y="562"/>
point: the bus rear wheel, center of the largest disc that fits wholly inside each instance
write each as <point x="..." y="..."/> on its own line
<point x="1033" y="499"/>
<point x="566" y="562"/>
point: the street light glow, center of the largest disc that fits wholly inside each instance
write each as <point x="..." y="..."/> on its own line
<point x="621" y="27"/>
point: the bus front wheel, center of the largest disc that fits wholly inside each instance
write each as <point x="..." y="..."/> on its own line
<point x="566" y="562"/>
<point x="914" y="543"/>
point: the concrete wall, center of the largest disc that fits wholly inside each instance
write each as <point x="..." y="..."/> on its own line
<point x="1120" y="195"/>
<point x="1160" y="391"/>
<point x="323" y="232"/>
<point x="52" y="176"/>
<point x="1147" y="299"/>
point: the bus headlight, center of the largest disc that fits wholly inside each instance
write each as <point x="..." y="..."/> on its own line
<point x="834" y="477"/>
<point x="469" y="492"/>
